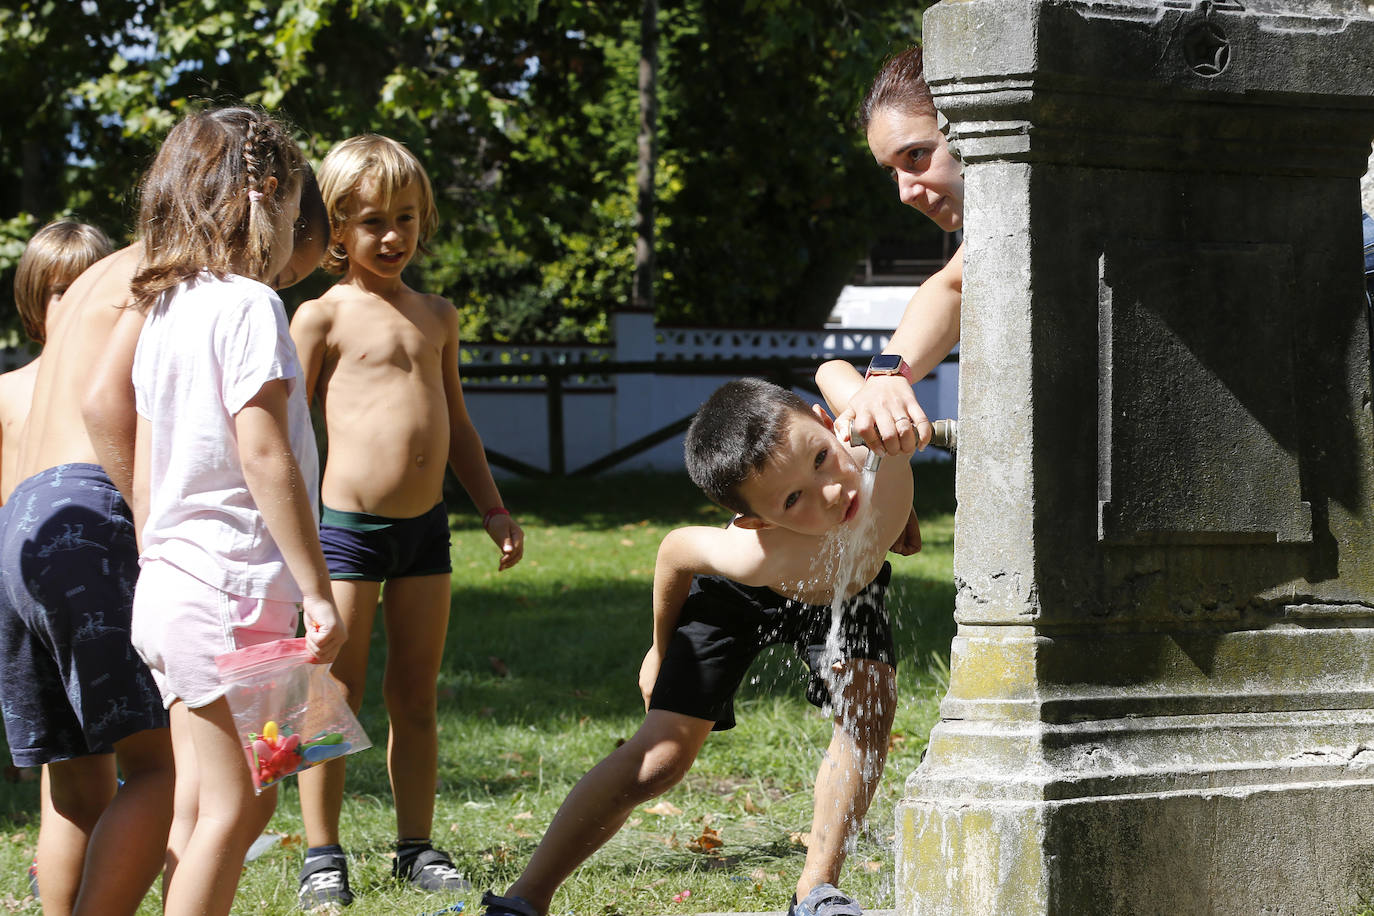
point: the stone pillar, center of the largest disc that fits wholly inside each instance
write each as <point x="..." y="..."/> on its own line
<point x="1162" y="687"/>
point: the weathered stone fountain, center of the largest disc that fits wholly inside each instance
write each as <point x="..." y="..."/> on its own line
<point x="1162" y="687"/>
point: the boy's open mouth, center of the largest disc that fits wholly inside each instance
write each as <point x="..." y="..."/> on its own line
<point x="853" y="508"/>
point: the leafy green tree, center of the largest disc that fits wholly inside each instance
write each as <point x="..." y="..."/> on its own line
<point x="523" y="111"/>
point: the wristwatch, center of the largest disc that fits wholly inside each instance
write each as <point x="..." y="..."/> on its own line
<point x="888" y="364"/>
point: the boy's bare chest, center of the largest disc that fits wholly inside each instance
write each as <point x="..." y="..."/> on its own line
<point x="393" y="344"/>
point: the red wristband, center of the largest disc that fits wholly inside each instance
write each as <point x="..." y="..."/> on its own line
<point x="491" y="514"/>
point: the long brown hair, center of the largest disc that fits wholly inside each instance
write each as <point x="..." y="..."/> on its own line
<point x="205" y="203"/>
<point x="900" y="84"/>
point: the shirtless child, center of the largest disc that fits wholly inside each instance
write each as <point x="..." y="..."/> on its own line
<point x="76" y="696"/>
<point x="55" y="256"/>
<point x="384" y="361"/>
<point x="721" y="595"/>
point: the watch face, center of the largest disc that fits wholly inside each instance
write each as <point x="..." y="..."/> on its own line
<point x="885" y="363"/>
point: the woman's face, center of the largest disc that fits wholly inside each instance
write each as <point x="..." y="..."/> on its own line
<point x="913" y="151"/>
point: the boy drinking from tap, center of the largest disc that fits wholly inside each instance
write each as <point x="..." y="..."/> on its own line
<point x="721" y="595"/>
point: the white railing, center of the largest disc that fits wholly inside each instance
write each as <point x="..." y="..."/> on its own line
<point x="683" y="343"/>
<point x="524" y="361"/>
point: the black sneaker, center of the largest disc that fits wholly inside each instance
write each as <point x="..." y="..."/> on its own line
<point x="493" y="905"/>
<point x="324" y="884"/>
<point x="431" y="870"/>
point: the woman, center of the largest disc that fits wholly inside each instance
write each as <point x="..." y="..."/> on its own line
<point x="898" y="116"/>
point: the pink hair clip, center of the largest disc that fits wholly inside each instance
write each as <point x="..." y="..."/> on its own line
<point x="254" y="196"/>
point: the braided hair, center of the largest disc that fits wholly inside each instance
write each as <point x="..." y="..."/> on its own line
<point x="213" y="198"/>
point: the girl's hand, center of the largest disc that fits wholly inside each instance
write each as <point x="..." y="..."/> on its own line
<point x="648" y="674"/>
<point x="325" y="632"/>
<point x="507" y="534"/>
<point x="885" y="415"/>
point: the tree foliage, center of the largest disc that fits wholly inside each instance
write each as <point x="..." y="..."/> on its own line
<point x="524" y="112"/>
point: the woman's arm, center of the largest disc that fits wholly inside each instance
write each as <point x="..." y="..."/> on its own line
<point x="885" y="413"/>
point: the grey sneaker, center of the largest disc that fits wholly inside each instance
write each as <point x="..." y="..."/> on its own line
<point x="324" y="884"/>
<point x="825" y="900"/>
<point x="432" y="870"/>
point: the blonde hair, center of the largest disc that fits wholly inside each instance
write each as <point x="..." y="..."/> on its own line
<point x="391" y="166"/>
<point x="207" y="202"/>
<point x="55" y="256"/>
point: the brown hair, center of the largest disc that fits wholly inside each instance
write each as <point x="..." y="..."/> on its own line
<point x="53" y="258"/>
<point x="390" y="165"/>
<point x="206" y="203"/>
<point x="900" y="84"/>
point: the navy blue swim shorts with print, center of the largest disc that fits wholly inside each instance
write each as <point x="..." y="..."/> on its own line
<point x="725" y="625"/>
<point x="374" y="548"/>
<point x="71" y="683"/>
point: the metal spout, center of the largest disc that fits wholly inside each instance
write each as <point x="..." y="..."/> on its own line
<point x="946" y="434"/>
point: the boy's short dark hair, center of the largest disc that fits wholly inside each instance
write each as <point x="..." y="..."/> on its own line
<point x="734" y="433"/>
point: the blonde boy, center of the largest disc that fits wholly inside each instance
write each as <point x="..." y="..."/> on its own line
<point x="722" y="595"/>
<point x="53" y="258"/>
<point x="384" y="360"/>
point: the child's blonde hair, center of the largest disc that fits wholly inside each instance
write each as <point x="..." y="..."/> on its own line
<point x="391" y="166"/>
<point x="55" y="256"/>
<point x="208" y="202"/>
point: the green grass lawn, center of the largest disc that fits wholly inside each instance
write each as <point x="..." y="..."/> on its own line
<point x="539" y="683"/>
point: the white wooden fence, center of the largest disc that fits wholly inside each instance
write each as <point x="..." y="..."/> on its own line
<point x="599" y="410"/>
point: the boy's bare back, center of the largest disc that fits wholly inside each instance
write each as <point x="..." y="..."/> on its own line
<point x="379" y="367"/>
<point x="16" y="394"/>
<point x="56" y="433"/>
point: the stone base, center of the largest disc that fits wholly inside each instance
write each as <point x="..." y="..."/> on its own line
<point x="1294" y="849"/>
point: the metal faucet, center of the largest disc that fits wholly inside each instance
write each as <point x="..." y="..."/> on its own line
<point x="946" y="435"/>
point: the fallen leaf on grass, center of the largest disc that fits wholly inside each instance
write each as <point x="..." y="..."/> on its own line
<point x="635" y="822"/>
<point x="664" y="809"/>
<point x="626" y="542"/>
<point x="511" y="755"/>
<point x="524" y="816"/>
<point x="873" y="866"/>
<point x="293" y="839"/>
<point x="498" y="667"/>
<point x="762" y="876"/>
<point x="708" y="841"/>
<point x="749" y="806"/>
<point x="799" y="839"/>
